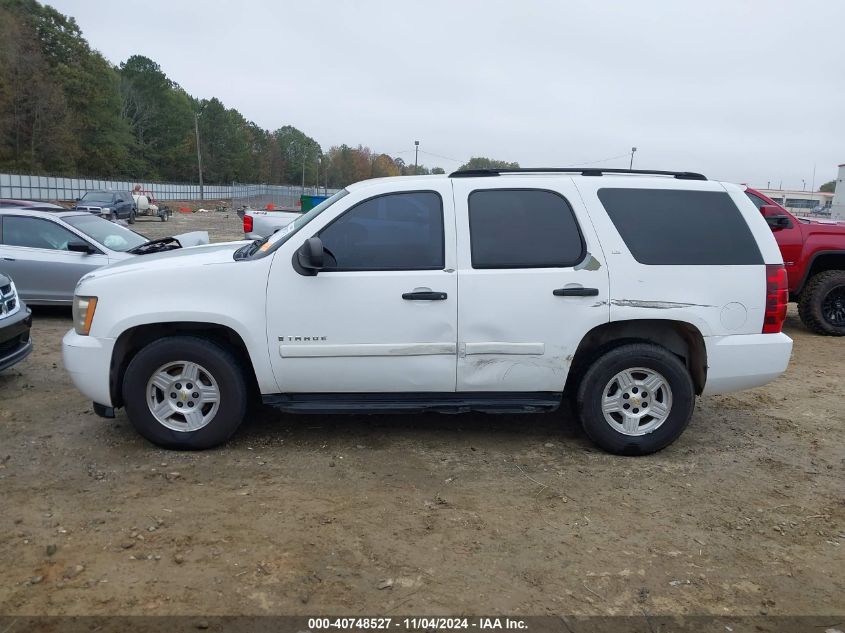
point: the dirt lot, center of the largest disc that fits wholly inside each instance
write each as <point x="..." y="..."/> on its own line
<point x="745" y="514"/>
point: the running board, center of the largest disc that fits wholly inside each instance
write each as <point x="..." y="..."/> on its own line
<point x="462" y="402"/>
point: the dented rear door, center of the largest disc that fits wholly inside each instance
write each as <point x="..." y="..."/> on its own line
<point x="532" y="282"/>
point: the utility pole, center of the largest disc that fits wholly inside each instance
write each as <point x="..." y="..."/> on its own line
<point x="199" y="152"/>
<point x="631" y="164"/>
<point x="416" y="156"/>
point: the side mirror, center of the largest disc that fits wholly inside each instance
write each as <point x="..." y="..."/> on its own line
<point x="776" y="218"/>
<point x="308" y="258"/>
<point x="80" y="247"/>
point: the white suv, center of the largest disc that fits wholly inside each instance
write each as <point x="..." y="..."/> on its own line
<point x="491" y="290"/>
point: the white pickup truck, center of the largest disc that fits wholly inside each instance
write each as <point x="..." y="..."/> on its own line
<point x="261" y="223"/>
<point x="488" y="290"/>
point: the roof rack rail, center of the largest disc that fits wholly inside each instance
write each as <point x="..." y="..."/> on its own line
<point x="584" y="171"/>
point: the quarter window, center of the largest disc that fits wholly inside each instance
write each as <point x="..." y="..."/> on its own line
<point x="35" y="233"/>
<point x="523" y="228"/>
<point x="757" y="200"/>
<point x="399" y="231"/>
<point x="681" y="227"/>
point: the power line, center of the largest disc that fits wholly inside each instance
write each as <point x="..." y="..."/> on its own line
<point x="454" y="160"/>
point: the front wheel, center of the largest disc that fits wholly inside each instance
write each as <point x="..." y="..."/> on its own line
<point x="822" y="303"/>
<point x="636" y="399"/>
<point x="184" y="392"/>
<point x="132" y="217"/>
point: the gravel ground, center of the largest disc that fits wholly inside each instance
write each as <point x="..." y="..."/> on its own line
<point x="744" y="515"/>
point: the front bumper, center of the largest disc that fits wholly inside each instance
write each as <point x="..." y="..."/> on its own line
<point x="88" y="361"/>
<point x="15" y="340"/>
<point x="745" y="361"/>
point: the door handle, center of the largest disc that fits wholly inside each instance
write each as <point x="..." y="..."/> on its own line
<point x="424" y="296"/>
<point x="575" y="292"/>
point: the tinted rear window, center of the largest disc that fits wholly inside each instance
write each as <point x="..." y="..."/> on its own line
<point x="672" y="227"/>
<point x="523" y="228"/>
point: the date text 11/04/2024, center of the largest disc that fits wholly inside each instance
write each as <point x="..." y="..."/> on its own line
<point x="420" y="623"/>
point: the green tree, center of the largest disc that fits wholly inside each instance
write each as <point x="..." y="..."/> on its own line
<point x="438" y="170"/>
<point x="161" y="117"/>
<point x="296" y="151"/>
<point x="101" y="138"/>
<point x="480" y="162"/>
<point x="34" y="127"/>
<point x="828" y="187"/>
<point x="411" y="170"/>
<point x="383" y="165"/>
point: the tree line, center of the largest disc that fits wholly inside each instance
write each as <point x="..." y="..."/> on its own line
<point x="65" y="110"/>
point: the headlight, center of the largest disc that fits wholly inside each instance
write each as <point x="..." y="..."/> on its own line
<point x="83" y="314"/>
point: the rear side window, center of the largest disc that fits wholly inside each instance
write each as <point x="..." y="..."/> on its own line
<point x="523" y="228"/>
<point x="399" y="231"/>
<point x="674" y="227"/>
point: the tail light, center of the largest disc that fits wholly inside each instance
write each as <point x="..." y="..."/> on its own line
<point x="777" y="296"/>
<point x="247" y="224"/>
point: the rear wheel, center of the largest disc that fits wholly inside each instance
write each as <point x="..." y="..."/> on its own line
<point x="822" y="303"/>
<point x="185" y="392"/>
<point x="635" y="399"/>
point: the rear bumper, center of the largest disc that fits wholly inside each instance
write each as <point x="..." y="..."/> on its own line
<point x="745" y="361"/>
<point x="88" y="361"/>
<point x="15" y="342"/>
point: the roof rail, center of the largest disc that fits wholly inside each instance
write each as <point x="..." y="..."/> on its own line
<point x="584" y="171"/>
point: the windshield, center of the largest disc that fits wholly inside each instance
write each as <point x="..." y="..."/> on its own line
<point x="271" y="243"/>
<point x="109" y="234"/>
<point x="97" y="197"/>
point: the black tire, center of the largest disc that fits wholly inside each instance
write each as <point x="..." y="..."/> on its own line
<point x="605" y="368"/>
<point x="132" y="217"/>
<point x="815" y="314"/>
<point x="217" y="361"/>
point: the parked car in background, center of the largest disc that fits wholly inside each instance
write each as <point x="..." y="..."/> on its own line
<point x="12" y="203"/>
<point x="47" y="252"/>
<point x="114" y="205"/>
<point x="15" y="325"/>
<point x="490" y="290"/>
<point x="814" y="254"/>
<point x="258" y="224"/>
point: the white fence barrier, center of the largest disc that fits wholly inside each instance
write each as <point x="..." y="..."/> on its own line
<point x="29" y="187"/>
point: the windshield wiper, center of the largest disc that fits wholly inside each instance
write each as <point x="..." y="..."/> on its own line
<point x="248" y="250"/>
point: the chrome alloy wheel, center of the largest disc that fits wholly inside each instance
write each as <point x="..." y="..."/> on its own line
<point x="636" y="401"/>
<point x="183" y="396"/>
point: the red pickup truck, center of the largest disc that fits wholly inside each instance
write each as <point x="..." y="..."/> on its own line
<point x="814" y="253"/>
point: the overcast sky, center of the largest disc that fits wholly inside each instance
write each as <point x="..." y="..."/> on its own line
<point x="743" y="90"/>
